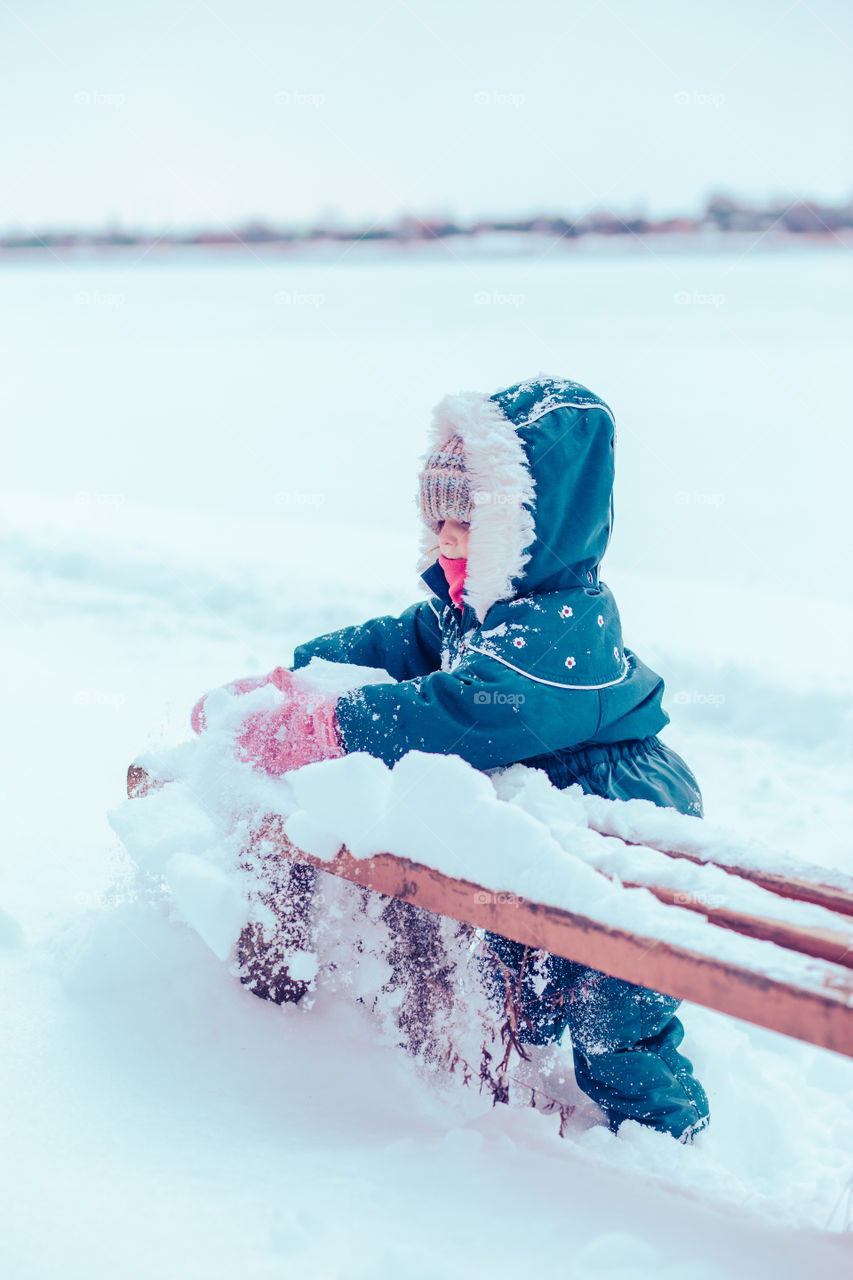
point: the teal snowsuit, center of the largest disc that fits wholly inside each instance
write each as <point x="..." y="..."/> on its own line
<point x="533" y="669"/>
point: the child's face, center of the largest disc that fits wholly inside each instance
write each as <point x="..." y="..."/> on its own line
<point x="453" y="539"/>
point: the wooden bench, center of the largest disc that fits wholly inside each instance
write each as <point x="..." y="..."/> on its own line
<point x="812" y="1002"/>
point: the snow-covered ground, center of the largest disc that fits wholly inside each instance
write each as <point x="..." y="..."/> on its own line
<point x="199" y="476"/>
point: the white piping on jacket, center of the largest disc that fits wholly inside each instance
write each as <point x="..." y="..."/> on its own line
<point x="473" y="648"/>
<point x="566" y="404"/>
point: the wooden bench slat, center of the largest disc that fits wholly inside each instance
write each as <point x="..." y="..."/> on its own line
<point x="835" y="898"/>
<point x="820" y="1011"/>
<point x="822" y="944"/>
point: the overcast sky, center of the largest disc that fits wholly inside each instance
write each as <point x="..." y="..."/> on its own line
<point x="183" y="112"/>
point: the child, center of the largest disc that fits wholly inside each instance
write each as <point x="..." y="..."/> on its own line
<point x="517" y="656"/>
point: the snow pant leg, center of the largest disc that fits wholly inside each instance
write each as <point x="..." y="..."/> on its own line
<point x="625" y="1040"/>
<point x="511" y="968"/>
<point x="626" y="1037"/>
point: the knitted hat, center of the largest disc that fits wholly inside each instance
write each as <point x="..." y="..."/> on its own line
<point x="444" y="490"/>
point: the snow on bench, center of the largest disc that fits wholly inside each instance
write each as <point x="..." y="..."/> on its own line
<point x="640" y="892"/>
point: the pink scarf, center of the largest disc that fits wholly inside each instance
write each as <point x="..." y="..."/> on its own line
<point x="454" y="572"/>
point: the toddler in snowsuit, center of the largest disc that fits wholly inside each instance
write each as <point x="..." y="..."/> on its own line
<point x="517" y="656"/>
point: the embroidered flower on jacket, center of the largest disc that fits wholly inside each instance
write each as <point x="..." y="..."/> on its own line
<point x="601" y="619"/>
<point x="519" y="643"/>
<point x="566" y="611"/>
<point x="570" y="662"/>
<point x="615" y="651"/>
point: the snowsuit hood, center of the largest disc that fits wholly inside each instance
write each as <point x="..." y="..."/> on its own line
<point x="540" y="457"/>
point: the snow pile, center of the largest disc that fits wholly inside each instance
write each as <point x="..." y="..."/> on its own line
<point x="190" y="833"/>
<point x="511" y="831"/>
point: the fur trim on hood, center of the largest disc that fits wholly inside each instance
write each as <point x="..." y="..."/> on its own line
<point x="500" y="484"/>
<point x="531" y="452"/>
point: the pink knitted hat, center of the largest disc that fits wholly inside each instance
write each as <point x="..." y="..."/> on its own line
<point x="444" y="490"/>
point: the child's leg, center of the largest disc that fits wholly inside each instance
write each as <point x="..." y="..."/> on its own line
<point x="524" y="980"/>
<point x="625" y="1037"/>
<point x="625" y="1041"/>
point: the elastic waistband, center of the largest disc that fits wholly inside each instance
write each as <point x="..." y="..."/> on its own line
<point x="580" y="759"/>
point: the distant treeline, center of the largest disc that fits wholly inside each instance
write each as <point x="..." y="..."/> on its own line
<point x="722" y="213"/>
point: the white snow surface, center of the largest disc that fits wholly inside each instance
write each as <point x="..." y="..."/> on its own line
<point x="199" y="493"/>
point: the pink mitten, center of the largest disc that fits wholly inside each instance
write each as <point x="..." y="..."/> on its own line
<point x="302" y="731"/>
<point x="281" y="677"/>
